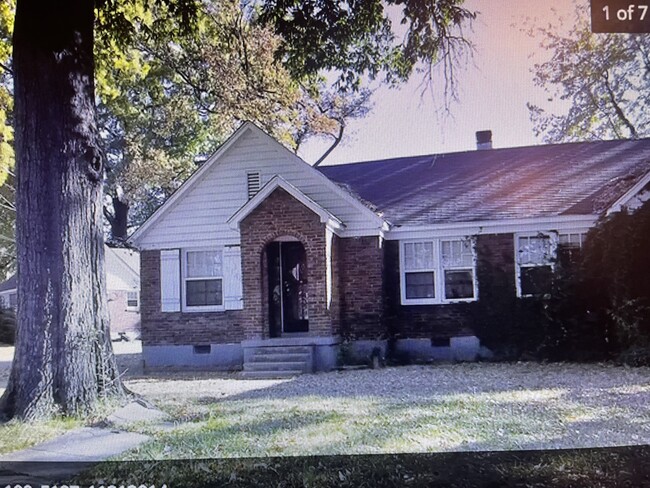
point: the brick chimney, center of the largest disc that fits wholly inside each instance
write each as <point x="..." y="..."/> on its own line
<point x="483" y="139"/>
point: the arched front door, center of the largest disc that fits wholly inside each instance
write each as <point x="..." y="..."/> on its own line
<point x="287" y="272"/>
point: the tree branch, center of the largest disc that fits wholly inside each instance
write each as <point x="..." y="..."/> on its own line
<point x="337" y="140"/>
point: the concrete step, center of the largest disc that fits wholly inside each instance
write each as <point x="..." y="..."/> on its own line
<point x="282" y="350"/>
<point x="280" y="357"/>
<point x="301" y="366"/>
<point x="268" y="375"/>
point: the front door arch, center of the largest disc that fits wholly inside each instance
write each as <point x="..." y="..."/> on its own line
<point x="287" y="287"/>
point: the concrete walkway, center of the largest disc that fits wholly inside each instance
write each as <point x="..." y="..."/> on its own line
<point x="78" y="449"/>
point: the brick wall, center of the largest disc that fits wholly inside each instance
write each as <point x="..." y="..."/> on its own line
<point x="122" y="320"/>
<point x="282" y="215"/>
<point x="495" y="276"/>
<point x="165" y="328"/>
<point x="361" y="271"/>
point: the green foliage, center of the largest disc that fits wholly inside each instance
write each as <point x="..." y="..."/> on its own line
<point x="7" y="325"/>
<point x="598" y="307"/>
<point x="604" y="77"/>
<point x="357" y="39"/>
<point x="614" y="275"/>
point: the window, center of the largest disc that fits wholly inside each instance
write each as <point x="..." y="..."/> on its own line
<point x="574" y="241"/>
<point x="132" y="300"/>
<point x="534" y="255"/>
<point x="419" y="267"/>
<point x="438" y="271"/>
<point x="253" y="183"/>
<point x="458" y="266"/>
<point x="203" y="280"/>
<point x="13" y="300"/>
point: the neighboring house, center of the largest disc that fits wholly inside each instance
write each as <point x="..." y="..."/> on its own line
<point x="123" y="287"/>
<point x="259" y="250"/>
<point x="8" y="293"/>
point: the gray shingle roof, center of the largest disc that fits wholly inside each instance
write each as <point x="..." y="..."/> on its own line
<point x="534" y="181"/>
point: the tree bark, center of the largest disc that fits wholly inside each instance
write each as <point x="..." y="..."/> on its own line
<point x="64" y="360"/>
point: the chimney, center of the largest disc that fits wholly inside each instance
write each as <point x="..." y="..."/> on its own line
<point x="483" y="139"/>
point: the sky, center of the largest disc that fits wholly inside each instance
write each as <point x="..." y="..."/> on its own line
<point x="494" y="89"/>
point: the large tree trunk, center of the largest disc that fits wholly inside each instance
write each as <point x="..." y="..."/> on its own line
<point x="64" y="360"/>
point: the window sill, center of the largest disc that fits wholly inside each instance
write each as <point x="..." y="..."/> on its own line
<point x="203" y="309"/>
<point x="437" y="302"/>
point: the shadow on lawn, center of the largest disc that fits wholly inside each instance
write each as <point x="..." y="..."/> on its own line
<point x="577" y="468"/>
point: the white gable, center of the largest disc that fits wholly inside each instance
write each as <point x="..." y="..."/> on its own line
<point x="197" y="214"/>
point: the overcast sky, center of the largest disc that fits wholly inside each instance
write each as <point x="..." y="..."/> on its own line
<point x="494" y="90"/>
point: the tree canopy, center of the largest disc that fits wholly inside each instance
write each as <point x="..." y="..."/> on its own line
<point x="604" y="79"/>
<point x="63" y="357"/>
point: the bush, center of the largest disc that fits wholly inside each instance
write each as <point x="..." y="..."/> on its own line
<point x="598" y="308"/>
<point x="7" y="326"/>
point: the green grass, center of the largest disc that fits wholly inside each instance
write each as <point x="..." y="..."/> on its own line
<point x="317" y="426"/>
<point x="525" y="407"/>
<point x="593" y="468"/>
<point x="16" y="435"/>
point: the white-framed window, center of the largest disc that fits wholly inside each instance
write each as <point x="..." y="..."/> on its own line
<point x="132" y="300"/>
<point x="437" y="271"/>
<point x="534" y="256"/>
<point x="573" y="240"/>
<point x="202" y="273"/>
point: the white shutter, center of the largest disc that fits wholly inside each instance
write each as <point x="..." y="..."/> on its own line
<point x="170" y="281"/>
<point x="232" y="279"/>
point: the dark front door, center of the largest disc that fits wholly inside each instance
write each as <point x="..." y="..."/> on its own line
<point x="287" y="265"/>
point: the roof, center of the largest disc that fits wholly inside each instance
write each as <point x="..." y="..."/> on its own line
<point x="493" y="184"/>
<point x="9" y="284"/>
<point x="279" y="182"/>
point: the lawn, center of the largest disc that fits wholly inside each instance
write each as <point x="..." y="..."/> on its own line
<point x="438" y="408"/>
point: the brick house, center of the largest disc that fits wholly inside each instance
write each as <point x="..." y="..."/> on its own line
<point x="260" y="258"/>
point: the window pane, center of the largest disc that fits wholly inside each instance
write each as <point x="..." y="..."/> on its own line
<point x="536" y="280"/>
<point x="132" y="299"/>
<point x="534" y="250"/>
<point x="418" y="255"/>
<point x="459" y="284"/>
<point x="203" y="292"/>
<point x="420" y="285"/>
<point x="203" y="263"/>
<point x="457" y="253"/>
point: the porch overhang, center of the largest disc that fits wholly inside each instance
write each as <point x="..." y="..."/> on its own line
<point x="326" y="217"/>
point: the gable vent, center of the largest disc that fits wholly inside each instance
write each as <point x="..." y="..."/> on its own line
<point x="253" y="182"/>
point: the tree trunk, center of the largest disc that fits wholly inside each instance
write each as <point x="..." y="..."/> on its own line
<point x="64" y="360"/>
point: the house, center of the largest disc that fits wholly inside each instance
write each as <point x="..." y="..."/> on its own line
<point x="261" y="260"/>
<point x="123" y="287"/>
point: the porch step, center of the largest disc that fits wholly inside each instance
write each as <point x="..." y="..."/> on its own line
<point x="277" y="362"/>
<point x="286" y="357"/>
<point x="266" y="350"/>
<point x="269" y="375"/>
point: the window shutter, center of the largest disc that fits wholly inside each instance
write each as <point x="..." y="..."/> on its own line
<point x="232" y="279"/>
<point x="170" y="281"/>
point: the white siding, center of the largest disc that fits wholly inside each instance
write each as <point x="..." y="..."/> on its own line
<point x="199" y="217"/>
